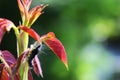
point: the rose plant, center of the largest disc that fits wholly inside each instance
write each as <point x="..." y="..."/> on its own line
<point x="27" y="57"/>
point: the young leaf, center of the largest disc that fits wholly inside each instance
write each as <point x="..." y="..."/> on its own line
<point x="20" y="60"/>
<point x="24" y="6"/>
<point x="30" y="77"/>
<point x="20" y="63"/>
<point x="56" y="46"/>
<point x="9" y="58"/>
<point x="36" y="66"/>
<point x="2" y="32"/>
<point x="17" y="76"/>
<point x="3" y="73"/>
<point x="8" y="70"/>
<point x="31" y="32"/>
<point x="35" y="12"/>
<point x="5" y="25"/>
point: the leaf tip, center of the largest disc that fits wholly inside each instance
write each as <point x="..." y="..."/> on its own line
<point x="66" y="65"/>
<point x="51" y="35"/>
<point x="64" y="61"/>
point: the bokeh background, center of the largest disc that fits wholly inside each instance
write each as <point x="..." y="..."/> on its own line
<point x="89" y="30"/>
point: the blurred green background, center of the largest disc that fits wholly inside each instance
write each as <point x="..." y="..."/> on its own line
<point x="89" y="30"/>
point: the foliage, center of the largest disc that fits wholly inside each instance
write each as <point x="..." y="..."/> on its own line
<point x="27" y="59"/>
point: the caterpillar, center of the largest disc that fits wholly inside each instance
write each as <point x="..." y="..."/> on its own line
<point x="34" y="52"/>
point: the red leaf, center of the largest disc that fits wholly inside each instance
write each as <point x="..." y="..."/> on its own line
<point x="2" y="32"/>
<point x="36" y="66"/>
<point x="15" y="68"/>
<point x="35" y="12"/>
<point x="56" y="46"/>
<point x="21" y="58"/>
<point x="5" y="25"/>
<point x="9" y="58"/>
<point x="24" y="5"/>
<point x="3" y="73"/>
<point x="31" y="32"/>
<point x="30" y="77"/>
<point x="17" y="76"/>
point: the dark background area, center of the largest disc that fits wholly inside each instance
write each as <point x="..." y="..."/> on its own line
<point x="89" y="30"/>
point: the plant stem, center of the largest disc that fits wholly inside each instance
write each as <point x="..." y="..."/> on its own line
<point x="19" y="46"/>
<point x="25" y="39"/>
<point x="25" y="74"/>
